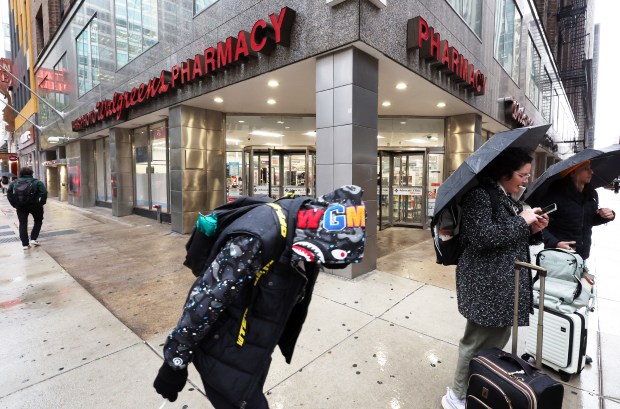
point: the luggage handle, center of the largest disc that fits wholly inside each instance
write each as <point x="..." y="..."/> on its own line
<point x="526" y="366"/>
<point x="542" y="273"/>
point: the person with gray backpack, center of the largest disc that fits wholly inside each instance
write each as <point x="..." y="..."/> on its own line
<point x="28" y="196"/>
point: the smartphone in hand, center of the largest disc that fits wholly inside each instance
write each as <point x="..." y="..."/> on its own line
<point x="548" y="209"/>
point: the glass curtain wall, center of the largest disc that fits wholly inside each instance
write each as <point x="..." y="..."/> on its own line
<point x="532" y="89"/>
<point x="471" y="12"/>
<point x="151" y="158"/>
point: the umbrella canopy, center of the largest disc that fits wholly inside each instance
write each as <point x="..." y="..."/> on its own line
<point x="464" y="178"/>
<point x="7" y="174"/>
<point x="605" y="164"/>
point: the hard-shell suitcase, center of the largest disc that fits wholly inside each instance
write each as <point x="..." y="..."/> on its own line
<point x="565" y="339"/>
<point x="501" y="380"/>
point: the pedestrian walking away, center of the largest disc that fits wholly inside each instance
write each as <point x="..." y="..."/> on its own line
<point x="496" y="231"/>
<point x="28" y="196"/>
<point x="255" y="294"/>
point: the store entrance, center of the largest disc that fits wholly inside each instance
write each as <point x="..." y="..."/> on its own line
<point x="277" y="171"/>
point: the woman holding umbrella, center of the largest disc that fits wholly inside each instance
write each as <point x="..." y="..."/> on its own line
<point x="496" y="232"/>
<point x="570" y="227"/>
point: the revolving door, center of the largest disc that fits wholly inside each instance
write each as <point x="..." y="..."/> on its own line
<point x="278" y="171"/>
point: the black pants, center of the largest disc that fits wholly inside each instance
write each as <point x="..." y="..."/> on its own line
<point x="22" y="215"/>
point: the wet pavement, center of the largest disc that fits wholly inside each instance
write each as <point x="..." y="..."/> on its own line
<point x="84" y="315"/>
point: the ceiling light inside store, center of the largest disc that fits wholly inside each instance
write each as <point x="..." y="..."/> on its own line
<point x="241" y="122"/>
<point x="265" y="133"/>
<point x="386" y="103"/>
<point x="218" y="100"/>
<point x="271" y="101"/>
<point x="287" y="127"/>
<point x="441" y="104"/>
<point x="310" y="133"/>
<point x="280" y="122"/>
<point x="273" y="83"/>
<point x="403" y="122"/>
<point x="401" y="85"/>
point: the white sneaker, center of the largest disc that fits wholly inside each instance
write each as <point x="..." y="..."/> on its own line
<point x="451" y="401"/>
<point x="34" y="243"/>
<point x="26" y="247"/>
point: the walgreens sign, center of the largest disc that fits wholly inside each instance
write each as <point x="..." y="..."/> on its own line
<point x="263" y="38"/>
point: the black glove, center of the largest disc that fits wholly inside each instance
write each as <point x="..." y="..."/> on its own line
<point x="170" y="382"/>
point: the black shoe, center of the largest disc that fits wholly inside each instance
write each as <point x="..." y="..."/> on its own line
<point x="588" y="360"/>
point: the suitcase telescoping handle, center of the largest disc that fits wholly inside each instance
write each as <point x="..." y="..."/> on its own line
<point x="542" y="273"/>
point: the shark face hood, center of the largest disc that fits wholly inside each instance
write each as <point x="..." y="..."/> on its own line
<point x="331" y="230"/>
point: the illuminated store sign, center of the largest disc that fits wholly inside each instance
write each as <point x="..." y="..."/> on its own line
<point x="232" y="52"/>
<point x="443" y="57"/>
<point x="515" y="113"/>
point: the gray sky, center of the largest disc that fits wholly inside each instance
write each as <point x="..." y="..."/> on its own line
<point x="607" y="129"/>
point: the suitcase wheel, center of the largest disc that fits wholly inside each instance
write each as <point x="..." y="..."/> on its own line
<point x="565" y="377"/>
<point x="526" y="357"/>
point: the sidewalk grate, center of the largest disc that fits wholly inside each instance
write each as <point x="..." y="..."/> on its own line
<point x="9" y="239"/>
<point x="6" y="233"/>
<point x="58" y="233"/>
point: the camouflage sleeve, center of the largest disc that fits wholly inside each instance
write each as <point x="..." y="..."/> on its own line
<point x="235" y="266"/>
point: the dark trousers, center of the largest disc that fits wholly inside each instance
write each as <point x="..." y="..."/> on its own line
<point x="22" y="215"/>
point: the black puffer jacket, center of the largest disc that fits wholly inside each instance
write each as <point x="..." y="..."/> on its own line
<point x="575" y="217"/>
<point x="485" y="272"/>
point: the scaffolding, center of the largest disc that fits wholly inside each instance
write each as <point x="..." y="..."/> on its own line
<point x="575" y="69"/>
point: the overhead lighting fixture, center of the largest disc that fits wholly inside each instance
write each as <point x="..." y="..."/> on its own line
<point x="287" y="127"/>
<point x="273" y="83"/>
<point x="280" y="122"/>
<point x="401" y="85"/>
<point x="241" y="122"/>
<point x="218" y="100"/>
<point x="441" y="104"/>
<point x="271" y="101"/>
<point x="310" y="133"/>
<point x="265" y="133"/>
<point x="380" y="137"/>
<point x="386" y="103"/>
<point x="403" y="122"/>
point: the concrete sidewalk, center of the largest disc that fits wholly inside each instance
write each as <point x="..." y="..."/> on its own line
<point x="84" y="315"/>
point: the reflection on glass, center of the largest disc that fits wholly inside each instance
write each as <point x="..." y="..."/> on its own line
<point x="87" y="45"/>
<point x="136" y="28"/>
<point x="141" y="155"/>
<point x="410" y="132"/>
<point x="200" y="5"/>
<point x="435" y="178"/>
<point x="159" y="174"/>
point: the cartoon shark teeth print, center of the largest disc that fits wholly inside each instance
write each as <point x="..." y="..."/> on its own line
<point x="308" y="251"/>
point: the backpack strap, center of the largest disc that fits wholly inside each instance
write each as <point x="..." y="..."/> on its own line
<point x="494" y="196"/>
<point x="293" y="209"/>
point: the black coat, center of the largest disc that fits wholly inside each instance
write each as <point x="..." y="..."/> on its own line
<point x="485" y="272"/>
<point x="575" y="217"/>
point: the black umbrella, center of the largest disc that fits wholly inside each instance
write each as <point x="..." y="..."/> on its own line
<point x="7" y="174"/>
<point x="464" y="178"/>
<point x="605" y="163"/>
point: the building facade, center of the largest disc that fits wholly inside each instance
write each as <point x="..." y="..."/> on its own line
<point x="178" y="106"/>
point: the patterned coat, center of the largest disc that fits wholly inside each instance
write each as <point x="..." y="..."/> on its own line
<point x="485" y="272"/>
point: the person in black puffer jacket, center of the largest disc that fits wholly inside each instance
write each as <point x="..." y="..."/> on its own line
<point x="570" y="227"/>
<point x="255" y="295"/>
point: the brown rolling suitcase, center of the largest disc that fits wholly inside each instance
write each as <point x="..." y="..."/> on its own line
<point x="500" y="380"/>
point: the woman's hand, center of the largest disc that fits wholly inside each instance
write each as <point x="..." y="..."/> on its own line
<point x="566" y="245"/>
<point x="530" y="216"/>
<point x="540" y="224"/>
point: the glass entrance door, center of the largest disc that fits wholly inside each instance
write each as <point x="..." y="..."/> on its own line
<point x="276" y="172"/>
<point x="402" y="189"/>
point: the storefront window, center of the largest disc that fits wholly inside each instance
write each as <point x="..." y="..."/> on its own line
<point x="88" y="57"/>
<point x="532" y="89"/>
<point x="471" y="12"/>
<point x="508" y="37"/>
<point x="200" y="5"/>
<point x="136" y="28"/>
<point x="151" y="166"/>
<point x="103" y="169"/>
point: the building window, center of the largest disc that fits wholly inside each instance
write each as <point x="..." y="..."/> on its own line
<point x="136" y="28"/>
<point x="471" y="12"/>
<point x="508" y="37"/>
<point x="533" y="74"/>
<point x="200" y="5"/>
<point x="88" y="58"/>
<point x="60" y="83"/>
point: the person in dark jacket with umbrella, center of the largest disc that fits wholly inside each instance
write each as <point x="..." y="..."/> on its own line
<point x="570" y="227"/>
<point x="494" y="237"/>
<point x="255" y="295"/>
